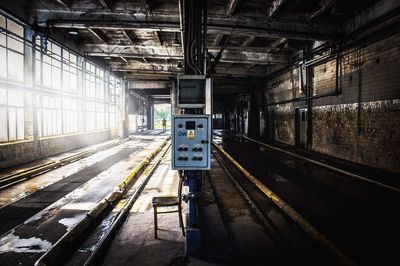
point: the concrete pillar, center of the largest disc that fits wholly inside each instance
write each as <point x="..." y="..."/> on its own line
<point x="254" y="114"/>
<point x="81" y="92"/>
<point x="150" y="114"/>
<point x="125" y="112"/>
<point x="174" y="109"/>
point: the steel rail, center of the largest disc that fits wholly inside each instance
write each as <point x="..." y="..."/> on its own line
<point x="123" y="214"/>
<point x="306" y="226"/>
<point x="332" y="168"/>
<point x="31" y="172"/>
<point x="69" y="240"/>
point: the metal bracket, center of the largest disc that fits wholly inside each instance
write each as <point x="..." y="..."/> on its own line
<point x="191" y="196"/>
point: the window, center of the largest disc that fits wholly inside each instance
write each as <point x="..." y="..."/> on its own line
<point x="90" y="110"/>
<point x="12" y="119"/>
<point x="90" y="80"/>
<point x="11" y="50"/>
<point x="50" y="119"/>
<point x="70" y="71"/>
<point x="100" y="116"/>
<point x="114" y="88"/>
<point x="70" y="116"/>
<point x="113" y="116"/>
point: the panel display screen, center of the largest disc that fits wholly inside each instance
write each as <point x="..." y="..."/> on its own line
<point x="192" y="92"/>
<point x="190" y="125"/>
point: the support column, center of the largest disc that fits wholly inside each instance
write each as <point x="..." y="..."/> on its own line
<point x="150" y="114"/>
<point x="125" y="112"/>
<point x="310" y="92"/>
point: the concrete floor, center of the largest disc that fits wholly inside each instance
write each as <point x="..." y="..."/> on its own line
<point x="134" y="243"/>
<point x="36" y="235"/>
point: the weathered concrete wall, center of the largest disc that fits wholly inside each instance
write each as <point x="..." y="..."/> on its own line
<point x="375" y="141"/>
<point x="282" y="116"/>
<point x="284" y="123"/>
<point x="12" y="154"/>
<point x="362" y="123"/>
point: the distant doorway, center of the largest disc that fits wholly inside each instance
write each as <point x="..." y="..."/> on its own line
<point x="161" y="112"/>
<point x="301" y="127"/>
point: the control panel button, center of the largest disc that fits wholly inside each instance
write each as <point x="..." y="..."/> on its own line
<point x="185" y="148"/>
<point x="180" y="126"/>
<point x="180" y="149"/>
<point x="200" y="126"/>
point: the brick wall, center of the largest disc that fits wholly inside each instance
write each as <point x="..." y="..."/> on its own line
<point x="362" y="124"/>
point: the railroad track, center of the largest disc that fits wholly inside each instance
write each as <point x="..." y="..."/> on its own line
<point x="337" y="220"/>
<point x="117" y="218"/>
<point x="47" y="232"/>
<point x="15" y="178"/>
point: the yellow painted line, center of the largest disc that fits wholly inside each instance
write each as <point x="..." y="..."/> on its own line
<point x="51" y="256"/>
<point x="130" y="177"/>
<point x="295" y="216"/>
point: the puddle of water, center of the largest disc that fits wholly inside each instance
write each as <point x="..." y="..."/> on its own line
<point x="72" y="221"/>
<point x="12" y="243"/>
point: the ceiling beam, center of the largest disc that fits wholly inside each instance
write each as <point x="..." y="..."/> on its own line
<point x="124" y="59"/>
<point x="325" y="7"/>
<point x="64" y="3"/>
<point x="218" y="39"/>
<point x="276" y="5"/>
<point x="168" y="69"/>
<point x="245" y="27"/>
<point x="119" y="47"/>
<point x="228" y="56"/>
<point x="158" y="37"/>
<point x="96" y="34"/>
<point x="248" y="41"/>
<point x="127" y="36"/>
<point x="381" y="10"/>
<point x="148" y="84"/>
<point x="231" y="7"/>
<point x="104" y="4"/>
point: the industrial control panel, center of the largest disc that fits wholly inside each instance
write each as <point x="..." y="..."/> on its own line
<point x="191" y="91"/>
<point x="191" y="141"/>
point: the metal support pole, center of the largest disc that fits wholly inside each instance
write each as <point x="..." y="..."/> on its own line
<point x="193" y="238"/>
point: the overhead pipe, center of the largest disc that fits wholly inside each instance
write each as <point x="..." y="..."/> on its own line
<point x="181" y="27"/>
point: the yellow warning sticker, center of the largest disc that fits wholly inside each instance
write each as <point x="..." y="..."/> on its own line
<point x="190" y="134"/>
